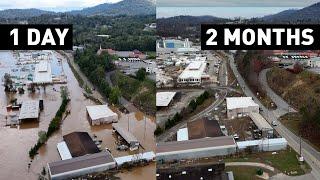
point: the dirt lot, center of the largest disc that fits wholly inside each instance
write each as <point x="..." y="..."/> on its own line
<point x="240" y="126"/>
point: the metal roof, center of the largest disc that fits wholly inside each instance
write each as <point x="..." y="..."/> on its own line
<point x="64" y="150"/>
<point x="240" y="102"/>
<point x="192" y="145"/>
<point x="29" y="110"/>
<point x="82" y="162"/>
<point x="125" y="134"/>
<point x="101" y="111"/>
<point x="42" y="73"/>
<point x="194" y="70"/>
<point x="131" y="158"/>
<point x="80" y="143"/>
<point x="164" y="98"/>
<point x="269" y="142"/>
<point x="260" y="121"/>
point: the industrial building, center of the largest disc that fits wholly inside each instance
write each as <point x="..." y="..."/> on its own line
<point x="200" y="128"/>
<point x="42" y="73"/>
<point x="262" y="124"/>
<point x="101" y="114"/>
<point x="193" y="73"/>
<point x="275" y="144"/>
<point x="127" y="136"/>
<point x="80" y="144"/>
<point x="29" y="110"/>
<point x="163" y="99"/>
<point x="196" y="148"/>
<point x="241" y="106"/>
<point x="74" y="167"/>
<point x="146" y="156"/>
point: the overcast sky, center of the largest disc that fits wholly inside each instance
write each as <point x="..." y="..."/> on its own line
<point x="54" y="5"/>
<point x="238" y="3"/>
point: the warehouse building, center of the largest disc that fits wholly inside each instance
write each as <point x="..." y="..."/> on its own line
<point x="275" y="144"/>
<point x="240" y="106"/>
<point x="67" y="169"/>
<point x="193" y="73"/>
<point x="146" y="156"/>
<point x="127" y="136"/>
<point x="163" y="99"/>
<point x="80" y="144"/>
<point x="262" y="124"/>
<point x="29" y="110"/>
<point x="196" y="148"/>
<point x="101" y="114"/>
<point x="42" y="73"/>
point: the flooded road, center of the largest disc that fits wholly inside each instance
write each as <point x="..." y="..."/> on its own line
<point x="17" y="141"/>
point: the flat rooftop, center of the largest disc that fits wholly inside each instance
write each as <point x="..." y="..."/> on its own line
<point x="100" y="111"/>
<point x="81" y="162"/>
<point x="164" y="98"/>
<point x="175" y="146"/>
<point x="194" y="70"/>
<point x="29" y="110"/>
<point x="42" y="73"/>
<point x="240" y="102"/>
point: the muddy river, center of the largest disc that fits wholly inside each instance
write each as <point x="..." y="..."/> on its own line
<point x="17" y="141"/>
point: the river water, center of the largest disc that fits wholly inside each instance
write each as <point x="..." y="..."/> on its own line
<point x="16" y="141"/>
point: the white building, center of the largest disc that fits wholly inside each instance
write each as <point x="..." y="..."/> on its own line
<point x="314" y="62"/>
<point x="183" y="134"/>
<point x="193" y="73"/>
<point x="196" y="148"/>
<point x="100" y="114"/>
<point x="263" y="144"/>
<point x="240" y="106"/>
<point x="163" y="99"/>
<point x="42" y="73"/>
<point x="64" y="151"/>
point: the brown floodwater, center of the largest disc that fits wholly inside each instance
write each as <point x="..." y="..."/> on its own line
<point x="16" y="141"/>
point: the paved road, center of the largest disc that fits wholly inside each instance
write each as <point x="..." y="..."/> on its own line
<point x="282" y="106"/>
<point x="254" y="164"/>
<point x="311" y="155"/>
<point x="223" y="74"/>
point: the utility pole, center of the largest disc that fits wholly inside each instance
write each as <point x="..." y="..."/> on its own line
<point x="300" y="146"/>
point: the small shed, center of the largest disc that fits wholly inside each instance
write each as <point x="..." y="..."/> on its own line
<point x="100" y="114"/>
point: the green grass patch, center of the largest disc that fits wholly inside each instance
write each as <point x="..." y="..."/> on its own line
<point x="285" y="161"/>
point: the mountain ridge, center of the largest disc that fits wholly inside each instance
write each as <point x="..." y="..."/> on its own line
<point x="124" y="7"/>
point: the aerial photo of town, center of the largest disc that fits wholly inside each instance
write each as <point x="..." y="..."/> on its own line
<point x="136" y="98"/>
<point x="87" y="113"/>
<point x="243" y="114"/>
